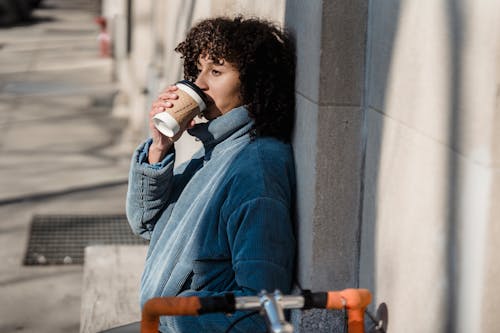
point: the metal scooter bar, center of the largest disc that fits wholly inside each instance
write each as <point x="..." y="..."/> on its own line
<point x="354" y="300"/>
<point x="254" y="302"/>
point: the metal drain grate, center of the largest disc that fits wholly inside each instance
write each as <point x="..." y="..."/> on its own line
<point x="61" y="239"/>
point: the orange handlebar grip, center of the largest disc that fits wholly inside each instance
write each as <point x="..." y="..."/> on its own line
<point x="165" y="306"/>
<point x="335" y="301"/>
<point x="355" y="301"/>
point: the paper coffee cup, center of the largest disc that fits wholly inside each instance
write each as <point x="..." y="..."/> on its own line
<point x="191" y="102"/>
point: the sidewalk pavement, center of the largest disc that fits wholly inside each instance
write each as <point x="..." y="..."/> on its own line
<point x="60" y="153"/>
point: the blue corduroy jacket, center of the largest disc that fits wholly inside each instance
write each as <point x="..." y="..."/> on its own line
<point x="219" y="223"/>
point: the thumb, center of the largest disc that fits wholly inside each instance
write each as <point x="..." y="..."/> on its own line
<point x="191" y="123"/>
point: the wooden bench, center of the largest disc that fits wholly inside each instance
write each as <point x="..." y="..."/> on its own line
<point x="110" y="292"/>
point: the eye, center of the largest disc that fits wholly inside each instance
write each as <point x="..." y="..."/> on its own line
<point x="215" y="72"/>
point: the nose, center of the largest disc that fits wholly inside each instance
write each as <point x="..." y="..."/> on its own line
<point x="201" y="82"/>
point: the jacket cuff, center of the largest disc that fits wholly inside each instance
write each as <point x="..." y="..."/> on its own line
<point x="142" y="157"/>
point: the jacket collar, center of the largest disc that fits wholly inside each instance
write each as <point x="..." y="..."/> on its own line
<point x="235" y="123"/>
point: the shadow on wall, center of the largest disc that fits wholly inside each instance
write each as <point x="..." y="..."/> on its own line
<point x="455" y="24"/>
<point x="383" y="22"/>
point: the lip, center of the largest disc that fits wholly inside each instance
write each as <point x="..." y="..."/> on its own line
<point x="209" y="100"/>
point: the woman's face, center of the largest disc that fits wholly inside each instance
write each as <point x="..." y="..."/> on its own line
<point x="220" y="81"/>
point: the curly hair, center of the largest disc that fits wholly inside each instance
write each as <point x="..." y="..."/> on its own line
<point x="264" y="55"/>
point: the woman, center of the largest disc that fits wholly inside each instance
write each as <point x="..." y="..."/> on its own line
<point x="222" y="221"/>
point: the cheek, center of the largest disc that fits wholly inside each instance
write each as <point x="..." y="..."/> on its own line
<point x="228" y="95"/>
<point x="233" y="92"/>
<point x="231" y="100"/>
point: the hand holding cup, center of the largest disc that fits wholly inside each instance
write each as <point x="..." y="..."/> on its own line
<point x="170" y="115"/>
<point x="189" y="102"/>
<point x="161" y="104"/>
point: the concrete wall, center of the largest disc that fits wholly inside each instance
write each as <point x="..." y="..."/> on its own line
<point x="396" y="148"/>
<point x="491" y="289"/>
<point x="327" y="139"/>
<point x="328" y="147"/>
<point x="429" y="234"/>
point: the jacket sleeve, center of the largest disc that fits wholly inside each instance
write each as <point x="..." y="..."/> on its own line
<point x="260" y="235"/>
<point x="149" y="188"/>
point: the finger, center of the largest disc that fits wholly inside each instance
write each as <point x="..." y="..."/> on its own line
<point x="155" y="111"/>
<point x="169" y="95"/>
<point x="191" y="123"/>
<point x="156" y="106"/>
<point x="160" y="102"/>
<point x="169" y="89"/>
<point x="161" y="106"/>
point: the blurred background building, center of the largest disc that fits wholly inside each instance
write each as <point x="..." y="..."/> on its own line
<point x="396" y="143"/>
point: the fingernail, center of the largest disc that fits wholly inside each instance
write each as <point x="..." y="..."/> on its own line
<point x="161" y="109"/>
<point x="168" y="104"/>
